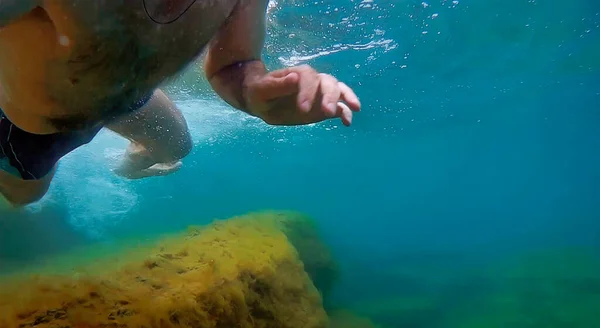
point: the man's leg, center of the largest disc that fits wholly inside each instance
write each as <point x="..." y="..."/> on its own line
<point x="19" y="192"/>
<point x="159" y="138"/>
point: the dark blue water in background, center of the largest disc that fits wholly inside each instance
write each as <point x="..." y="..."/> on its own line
<point x="479" y="141"/>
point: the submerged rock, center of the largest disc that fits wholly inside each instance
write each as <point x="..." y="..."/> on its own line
<point x="242" y="272"/>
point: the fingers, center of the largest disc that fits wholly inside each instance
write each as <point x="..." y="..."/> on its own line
<point x="308" y="87"/>
<point x="333" y="93"/>
<point x="318" y="96"/>
<point x="344" y="113"/>
<point x="349" y="97"/>
<point x="282" y="72"/>
<point x="272" y="87"/>
<point x="330" y="94"/>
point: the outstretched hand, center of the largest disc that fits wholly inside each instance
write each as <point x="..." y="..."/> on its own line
<point x="300" y="95"/>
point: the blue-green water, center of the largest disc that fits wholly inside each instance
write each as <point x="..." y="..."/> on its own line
<point x="476" y="153"/>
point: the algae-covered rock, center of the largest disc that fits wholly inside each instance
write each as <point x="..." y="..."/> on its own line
<point x="241" y="272"/>
<point x="303" y="233"/>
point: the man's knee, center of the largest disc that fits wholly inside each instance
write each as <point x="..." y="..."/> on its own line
<point x="185" y="145"/>
<point x="20" y="192"/>
<point x="20" y="200"/>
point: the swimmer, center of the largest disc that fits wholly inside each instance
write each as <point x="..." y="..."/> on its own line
<point x="69" y="68"/>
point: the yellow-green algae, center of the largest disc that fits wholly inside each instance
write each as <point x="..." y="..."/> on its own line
<point x="241" y="272"/>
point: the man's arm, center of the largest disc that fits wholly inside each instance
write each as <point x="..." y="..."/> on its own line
<point x="12" y="9"/>
<point x="234" y="58"/>
<point x="288" y="96"/>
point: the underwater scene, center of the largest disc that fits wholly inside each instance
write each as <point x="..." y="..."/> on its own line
<point x="465" y="194"/>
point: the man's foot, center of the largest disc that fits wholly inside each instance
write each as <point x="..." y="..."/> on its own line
<point x="159" y="169"/>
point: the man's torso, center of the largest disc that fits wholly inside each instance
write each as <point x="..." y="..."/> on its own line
<point x="81" y="59"/>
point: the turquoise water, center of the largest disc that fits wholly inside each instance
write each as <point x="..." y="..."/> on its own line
<point x="477" y="149"/>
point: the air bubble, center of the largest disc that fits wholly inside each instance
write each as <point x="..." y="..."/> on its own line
<point x="63" y="40"/>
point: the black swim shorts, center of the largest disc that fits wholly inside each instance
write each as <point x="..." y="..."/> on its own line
<point x="33" y="156"/>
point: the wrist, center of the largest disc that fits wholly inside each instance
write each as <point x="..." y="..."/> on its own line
<point x="231" y="83"/>
<point x="252" y="72"/>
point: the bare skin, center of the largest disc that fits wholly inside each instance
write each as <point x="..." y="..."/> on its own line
<point x="70" y="60"/>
